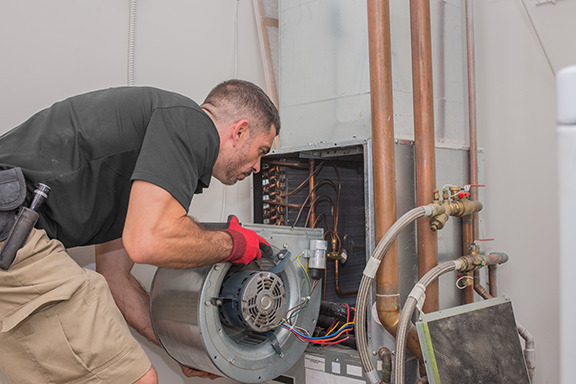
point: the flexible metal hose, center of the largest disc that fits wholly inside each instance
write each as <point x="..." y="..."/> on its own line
<point x="131" y="39"/>
<point x="417" y="294"/>
<point x="368" y="277"/>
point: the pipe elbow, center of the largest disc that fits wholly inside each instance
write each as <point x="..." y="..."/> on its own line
<point x="497" y="258"/>
<point x="388" y="310"/>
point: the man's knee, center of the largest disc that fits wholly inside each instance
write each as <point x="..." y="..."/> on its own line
<point x="149" y="378"/>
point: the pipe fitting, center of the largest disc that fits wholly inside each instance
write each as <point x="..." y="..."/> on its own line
<point x="471" y="262"/>
<point x="452" y="204"/>
<point x="438" y="221"/>
<point x="464" y="207"/>
<point x="476" y="261"/>
<point x="496" y="258"/>
<point x="386" y="356"/>
<point x="388" y="309"/>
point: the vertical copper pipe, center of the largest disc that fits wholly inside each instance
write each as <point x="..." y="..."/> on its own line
<point x="388" y="299"/>
<point x="311" y="188"/>
<point x="492" y="287"/>
<point x="467" y="240"/>
<point x="424" y="140"/>
<point x="387" y="289"/>
<point x="472" y="107"/>
<point x="470" y="224"/>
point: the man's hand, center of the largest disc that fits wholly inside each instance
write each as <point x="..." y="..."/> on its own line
<point x="190" y="372"/>
<point x="248" y="245"/>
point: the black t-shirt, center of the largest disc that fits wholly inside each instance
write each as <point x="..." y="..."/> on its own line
<point x="90" y="147"/>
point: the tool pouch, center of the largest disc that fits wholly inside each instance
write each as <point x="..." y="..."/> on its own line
<point x="13" y="216"/>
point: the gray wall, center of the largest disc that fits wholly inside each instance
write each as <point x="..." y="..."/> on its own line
<point x="51" y="50"/>
<point x="516" y="123"/>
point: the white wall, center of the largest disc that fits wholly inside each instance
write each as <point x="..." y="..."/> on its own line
<point x="51" y="50"/>
<point x="516" y="123"/>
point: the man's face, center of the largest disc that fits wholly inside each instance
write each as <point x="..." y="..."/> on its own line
<point x="244" y="158"/>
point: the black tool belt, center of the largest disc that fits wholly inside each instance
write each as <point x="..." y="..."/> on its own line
<point x="16" y="221"/>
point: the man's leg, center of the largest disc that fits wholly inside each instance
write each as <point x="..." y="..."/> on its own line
<point x="74" y="333"/>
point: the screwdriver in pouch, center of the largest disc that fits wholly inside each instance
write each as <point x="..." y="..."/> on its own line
<point x="25" y="221"/>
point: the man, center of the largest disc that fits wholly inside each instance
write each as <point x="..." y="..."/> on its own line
<point x="122" y="162"/>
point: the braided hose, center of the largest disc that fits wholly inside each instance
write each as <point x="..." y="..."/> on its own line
<point x="368" y="277"/>
<point x="417" y="294"/>
<point x="131" y="38"/>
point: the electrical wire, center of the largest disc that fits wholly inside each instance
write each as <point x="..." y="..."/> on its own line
<point x="325" y="340"/>
<point x="331" y="337"/>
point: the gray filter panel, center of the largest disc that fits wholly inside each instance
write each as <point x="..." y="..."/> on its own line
<point x="475" y="343"/>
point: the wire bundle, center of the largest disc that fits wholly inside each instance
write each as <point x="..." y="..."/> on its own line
<point x="334" y="334"/>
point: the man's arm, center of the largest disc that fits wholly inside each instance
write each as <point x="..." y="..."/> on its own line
<point x="159" y="232"/>
<point x="113" y="263"/>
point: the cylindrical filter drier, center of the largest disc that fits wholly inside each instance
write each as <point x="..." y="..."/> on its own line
<point x="226" y="319"/>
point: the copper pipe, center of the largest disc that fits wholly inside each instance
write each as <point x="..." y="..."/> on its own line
<point x="386" y="356"/>
<point x="479" y="288"/>
<point x="387" y="290"/>
<point x="337" y="282"/>
<point x="383" y="163"/>
<point x="425" y="160"/>
<point x="312" y="211"/>
<point x="492" y="286"/>
<point x="470" y="224"/>
<point x="472" y="107"/>
<point x="467" y="240"/>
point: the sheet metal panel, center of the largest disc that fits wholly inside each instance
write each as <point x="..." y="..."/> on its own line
<point x="324" y="82"/>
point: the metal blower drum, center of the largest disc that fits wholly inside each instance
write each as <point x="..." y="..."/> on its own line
<point x="226" y="319"/>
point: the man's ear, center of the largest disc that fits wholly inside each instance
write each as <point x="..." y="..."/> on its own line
<point x="240" y="131"/>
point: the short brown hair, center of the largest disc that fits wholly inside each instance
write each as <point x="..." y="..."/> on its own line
<point x="234" y="99"/>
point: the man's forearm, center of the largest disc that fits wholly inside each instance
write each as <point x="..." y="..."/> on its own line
<point x="134" y="303"/>
<point x="113" y="263"/>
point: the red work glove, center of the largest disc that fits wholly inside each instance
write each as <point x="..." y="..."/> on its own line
<point x="248" y="245"/>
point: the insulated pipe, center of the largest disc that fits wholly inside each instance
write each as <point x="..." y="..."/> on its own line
<point x="424" y="139"/>
<point x="470" y="223"/>
<point x="387" y="291"/>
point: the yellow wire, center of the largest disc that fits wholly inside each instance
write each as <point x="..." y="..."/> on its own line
<point x="305" y="271"/>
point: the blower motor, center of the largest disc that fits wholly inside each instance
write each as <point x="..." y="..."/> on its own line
<point x="226" y="319"/>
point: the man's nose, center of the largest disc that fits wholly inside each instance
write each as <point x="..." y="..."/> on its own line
<point x="256" y="166"/>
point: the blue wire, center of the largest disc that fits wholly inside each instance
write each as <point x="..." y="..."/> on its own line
<point x="350" y="326"/>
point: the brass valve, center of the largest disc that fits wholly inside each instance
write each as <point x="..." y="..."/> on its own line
<point x="455" y="202"/>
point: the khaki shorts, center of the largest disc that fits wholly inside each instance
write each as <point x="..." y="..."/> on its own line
<point x="59" y="322"/>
